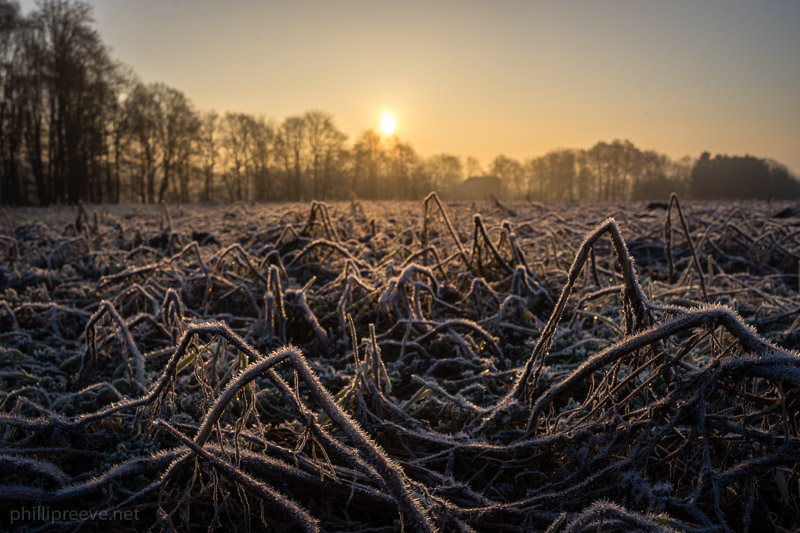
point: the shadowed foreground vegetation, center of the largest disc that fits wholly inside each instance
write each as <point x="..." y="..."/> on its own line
<point x="403" y="366"/>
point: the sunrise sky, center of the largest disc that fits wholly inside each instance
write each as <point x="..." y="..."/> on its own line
<point x="484" y="78"/>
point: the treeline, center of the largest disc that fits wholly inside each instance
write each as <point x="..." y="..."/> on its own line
<point x="77" y="125"/>
<point x="607" y="171"/>
<point x="621" y="171"/>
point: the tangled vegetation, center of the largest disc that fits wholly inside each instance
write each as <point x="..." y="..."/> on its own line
<point x="397" y="366"/>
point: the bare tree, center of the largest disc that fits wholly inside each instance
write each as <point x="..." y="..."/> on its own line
<point x="235" y="148"/>
<point x="445" y="171"/>
<point x="292" y="142"/>
<point x="141" y="116"/>
<point x="117" y="126"/>
<point x="261" y="158"/>
<point x="403" y="168"/>
<point x="177" y="126"/>
<point x="368" y="160"/>
<point x="472" y="167"/>
<point x="552" y="176"/>
<point x="12" y="90"/>
<point x="510" y="172"/>
<point x="208" y="151"/>
<point x="69" y="91"/>
<point x="325" y="142"/>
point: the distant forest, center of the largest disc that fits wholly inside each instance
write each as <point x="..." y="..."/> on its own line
<point x="76" y="125"/>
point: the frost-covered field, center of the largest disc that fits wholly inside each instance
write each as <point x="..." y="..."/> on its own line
<point x="400" y="366"/>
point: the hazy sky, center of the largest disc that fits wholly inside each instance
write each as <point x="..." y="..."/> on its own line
<point x="484" y="78"/>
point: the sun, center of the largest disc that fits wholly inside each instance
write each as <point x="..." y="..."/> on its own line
<point x="388" y="125"/>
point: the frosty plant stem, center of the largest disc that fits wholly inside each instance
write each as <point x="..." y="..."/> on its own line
<point x="391" y="472"/>
<point x="525" y="386"/>
<point x="106" y="308"/>
<point x="434" y="198"/>
<point x="255" y="487"/>
<point x="673" y="200"/>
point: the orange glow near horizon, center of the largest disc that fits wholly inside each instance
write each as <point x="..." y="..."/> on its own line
<point x="482" y="79"/>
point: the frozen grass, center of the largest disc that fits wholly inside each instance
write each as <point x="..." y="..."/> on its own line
<point x="352" y="367"/>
